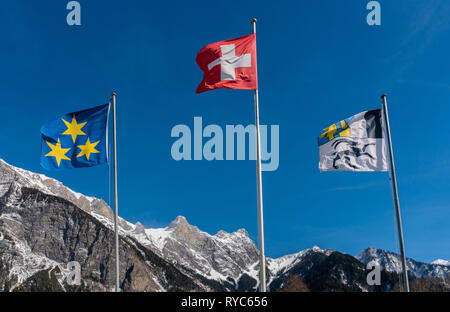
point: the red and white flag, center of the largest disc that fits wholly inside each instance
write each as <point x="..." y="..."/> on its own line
<point x="229" y="64"/>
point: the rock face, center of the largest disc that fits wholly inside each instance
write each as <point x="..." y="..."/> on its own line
<point x="223" y="256"/>
<point x="45" y="225"/>
<point x="9" y="174"/>
<point x="43" y="232"/>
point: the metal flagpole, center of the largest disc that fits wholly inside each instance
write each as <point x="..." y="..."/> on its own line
<point x="262" y="258"/>
<point x="396" y="201"/>
<point x="116" y="208"/>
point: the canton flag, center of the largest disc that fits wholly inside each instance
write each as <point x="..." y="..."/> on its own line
<point x="229" y="64"/>
<point x="76" y="139"/>
<point x="354" y="144"/>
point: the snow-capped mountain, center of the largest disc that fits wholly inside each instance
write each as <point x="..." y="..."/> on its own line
<point x="219" y="256"/>
<point x="280" y="266"/>
<point x="44" y="225"/>
<point x="49" y="186"/>
<point x="223" y="257"/>
<point x="391" y="262"/>
<point x="36" y="213"/>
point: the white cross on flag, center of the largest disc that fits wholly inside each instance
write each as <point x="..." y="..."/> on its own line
<point x="229" y="64"/>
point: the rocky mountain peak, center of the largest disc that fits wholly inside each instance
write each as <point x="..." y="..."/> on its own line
<point x="27" y="179"/>
<point x="139" y="229"/>
<point x="182" y="229"/>
<point x="221" y="233"/>
<point x="242" y="232"/>
<point x="186" y="233"/>
<point x="372" y="253"/>
<point x="179" y="221"/>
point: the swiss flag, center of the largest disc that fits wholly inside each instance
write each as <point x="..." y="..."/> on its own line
<point x="229" y="64"/>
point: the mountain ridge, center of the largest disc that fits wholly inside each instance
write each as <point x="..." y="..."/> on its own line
<point x="195" y="259"/>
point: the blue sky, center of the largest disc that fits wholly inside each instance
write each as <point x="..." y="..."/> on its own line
<point x="318" y="63"/>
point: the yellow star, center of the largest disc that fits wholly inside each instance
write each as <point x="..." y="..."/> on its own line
<point x="58" y="152"/>
<point x="74" y="128"/>
<point x="87" y="149"/>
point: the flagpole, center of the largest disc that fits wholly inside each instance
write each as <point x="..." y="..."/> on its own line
<point x="116" y="207"/>
<point x="395" y="191"/>
<point x="262" y="258"/>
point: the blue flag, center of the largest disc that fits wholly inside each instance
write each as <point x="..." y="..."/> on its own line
<point x="76" y="139"/>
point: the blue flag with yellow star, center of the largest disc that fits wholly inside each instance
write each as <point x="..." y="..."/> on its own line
<point x="75" y="140"/>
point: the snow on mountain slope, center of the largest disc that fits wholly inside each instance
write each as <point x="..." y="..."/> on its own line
<point x="25" y="262"/>
<point x="219" y="257"/>
<point x="43" y="227"/>
<point x="223" y="257"/>
<point x="50" y="186"/>
<point x="283" y="264"/>
<point x="391" y="262"/>
<point x="441" y="262"/>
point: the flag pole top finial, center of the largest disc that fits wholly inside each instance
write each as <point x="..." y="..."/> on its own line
<point x="383" y="95"/>
<point x="254" y="20"/>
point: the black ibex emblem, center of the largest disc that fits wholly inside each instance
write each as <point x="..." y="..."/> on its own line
<point x="353" y="150"/>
